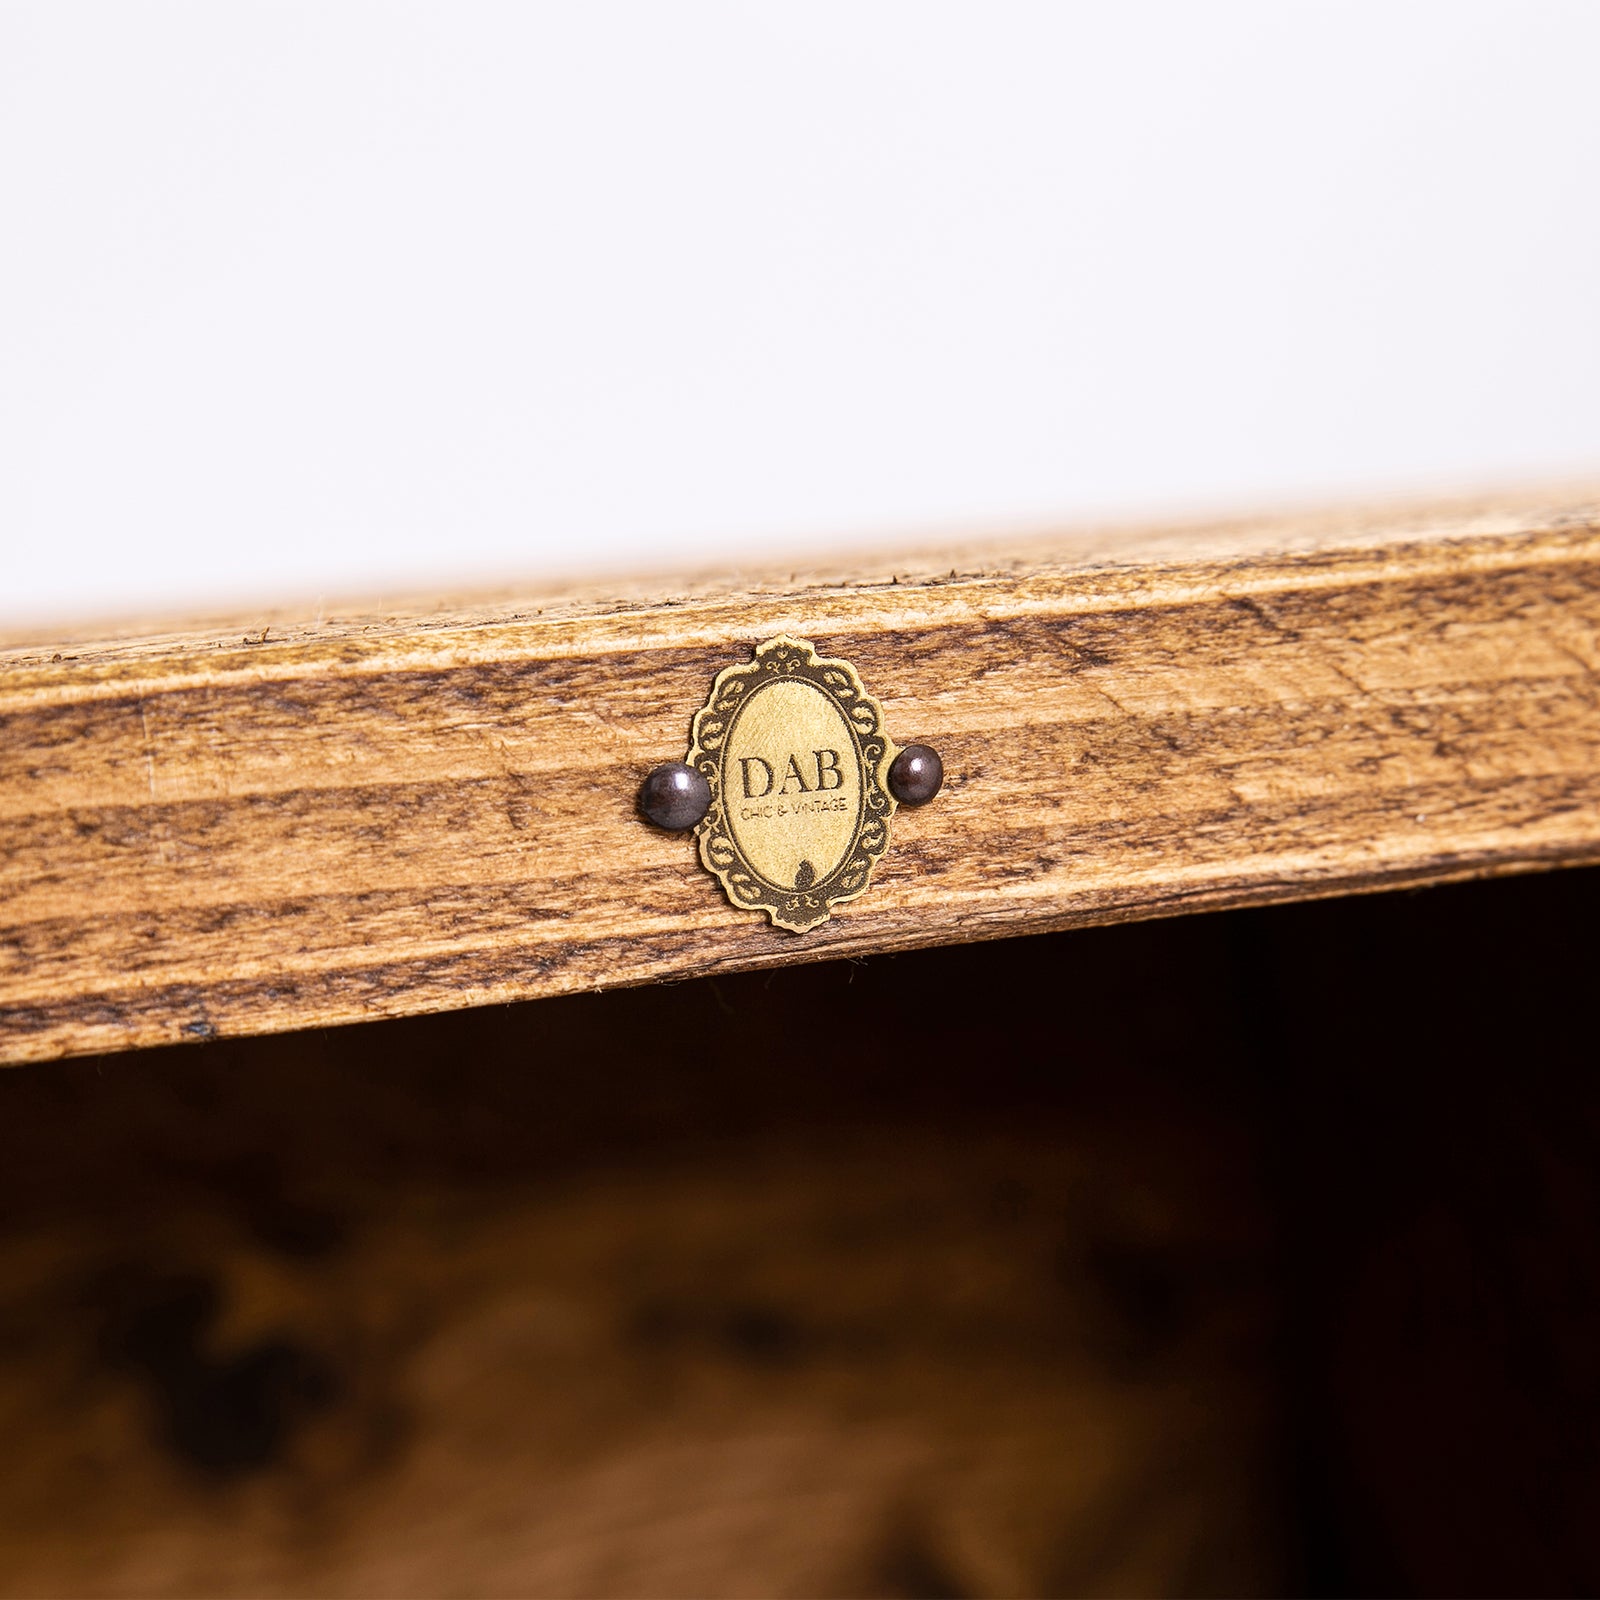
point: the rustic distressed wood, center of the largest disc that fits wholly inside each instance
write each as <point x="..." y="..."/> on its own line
<point x="291" y="821"/>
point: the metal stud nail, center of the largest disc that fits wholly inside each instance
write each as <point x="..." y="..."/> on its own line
<point x="675" y="796"/>
<point x="916" y="775"/>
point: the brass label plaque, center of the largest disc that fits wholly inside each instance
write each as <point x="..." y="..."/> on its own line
<point x="794" y="750"/>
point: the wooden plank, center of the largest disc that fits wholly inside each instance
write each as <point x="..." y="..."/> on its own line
<point x="289" y="821"/>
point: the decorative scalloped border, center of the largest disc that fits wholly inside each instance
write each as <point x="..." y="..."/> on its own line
<point x="780" y="660"/>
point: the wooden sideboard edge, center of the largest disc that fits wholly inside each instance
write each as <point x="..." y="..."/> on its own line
<point x="107" y="1039"/>
<point x="1193" y="544"/>
<point x="1461" y="655"/>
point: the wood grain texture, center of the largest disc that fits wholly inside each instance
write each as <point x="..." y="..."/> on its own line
<point x="291" y="821"/>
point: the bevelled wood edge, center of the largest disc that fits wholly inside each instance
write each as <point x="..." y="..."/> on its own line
<point x="253" y="826"/>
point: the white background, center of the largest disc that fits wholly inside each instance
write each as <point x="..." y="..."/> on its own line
<point x="329" y="299"/>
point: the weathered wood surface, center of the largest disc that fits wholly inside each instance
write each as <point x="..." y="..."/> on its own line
<point x="286" y="822"/>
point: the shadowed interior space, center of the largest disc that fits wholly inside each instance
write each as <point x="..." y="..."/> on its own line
<point x="1248" y="1253"/>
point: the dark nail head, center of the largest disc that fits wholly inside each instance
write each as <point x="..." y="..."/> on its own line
<point x="675" y="796"/>
<point x="916" y="775"/>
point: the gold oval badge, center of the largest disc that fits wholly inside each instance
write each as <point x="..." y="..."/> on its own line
<point x="794" y="750"/>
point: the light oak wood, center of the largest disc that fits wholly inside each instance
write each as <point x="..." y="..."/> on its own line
<point x="297" y="820"/>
